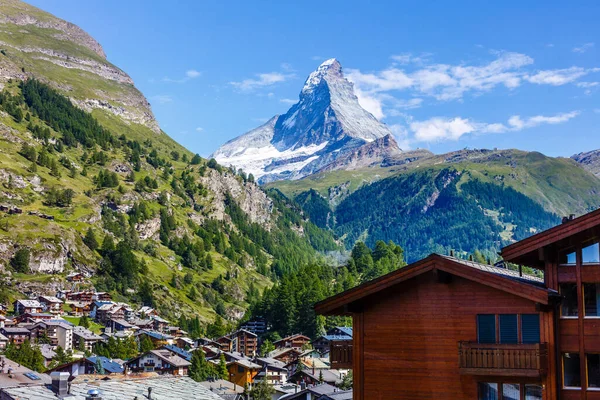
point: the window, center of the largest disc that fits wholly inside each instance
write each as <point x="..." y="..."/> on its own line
<point x="591" y="254"/>
<point x="593" y="370"/>
<point x="568" y="258"/>
<point x="488" y="391"/>
<point x="571" y="370"/>
<point x="569" y="306"/>
<point x="508" y="329"/>
<point x="486" y="328"/>
<point x="591" y="299"/>
<point x="533" y="392"/>
<point x="511" y="391"/>
<point x="240" y="369"/>
<point x="530" y="328"/>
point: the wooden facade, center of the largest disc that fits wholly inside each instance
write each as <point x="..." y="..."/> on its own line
<point x="417" y="334"/>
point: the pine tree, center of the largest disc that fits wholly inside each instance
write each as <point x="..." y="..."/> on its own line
<point x="90" y="240"/>
<point x="222" y="371"/>
<point x="146" y="344"/>
<point x="262" y="390"/>
<point x="84" y="321"/>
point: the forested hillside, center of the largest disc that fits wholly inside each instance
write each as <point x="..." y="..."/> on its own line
<point x="151" y="224"/>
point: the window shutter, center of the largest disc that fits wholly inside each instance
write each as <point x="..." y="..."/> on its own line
<point x="486" y="328"/>
<point x="530" y="328"/>
<point x="508" y="329"/>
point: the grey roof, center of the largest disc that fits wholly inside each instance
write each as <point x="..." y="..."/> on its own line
<point x="246" y="363"/>
<point x="21" y="375"/>
<point x="339" y="395"/>
<point x="319" y="390"/>
<point x="15" y="330"/>
<point x="163" y="388"/>
<point x="170" y="357"/>
<point x="47" y="351"/>
<point x="29" y="303"/>
<point x="508" y="273"/>
<point x="85" y="333"/>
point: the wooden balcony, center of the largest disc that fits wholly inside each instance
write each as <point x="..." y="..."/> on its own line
<point x="340" y="354"/>
<point x="514" y="360"/>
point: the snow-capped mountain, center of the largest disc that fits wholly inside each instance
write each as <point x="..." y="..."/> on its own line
<point x="325" y="127"/>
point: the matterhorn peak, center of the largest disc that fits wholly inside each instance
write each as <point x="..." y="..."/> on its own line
<point x="324" y="128"/>
<point x="329" y="68"/>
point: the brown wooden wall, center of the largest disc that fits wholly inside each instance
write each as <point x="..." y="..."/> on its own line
<point x="406" y="338"/>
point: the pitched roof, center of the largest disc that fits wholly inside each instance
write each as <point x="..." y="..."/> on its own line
<point x="170" y="357"/>
<point x="499" y="278"/>
<point x="569" y="228"/>
<point x="29" y="303"/>
<point x="163" y="388"/>
<point x="186" y="355"/>
<point x="109" y="365"/>
<point x="85" y="333"/>
<point x="245" y="363"/>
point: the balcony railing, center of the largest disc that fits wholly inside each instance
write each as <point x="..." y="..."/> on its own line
<point x="340" y="354"/>
<point x="520" y="360"/>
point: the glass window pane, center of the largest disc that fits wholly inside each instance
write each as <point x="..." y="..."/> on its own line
<point x="486" y="328"/>
<point x="571" y="370"/>
<point x="511" y="391"/>
<point x="593" y="368"/>
<point x="530" y="328"/>
<point x="533" y="392"/>
<point x="568" y="258"/>
<point x="508" y="329"/>
<point x="488" y="391"/>
<point x="591" y="254"/>
<point x="591" y="291"/>
<point x="569" y="305"/>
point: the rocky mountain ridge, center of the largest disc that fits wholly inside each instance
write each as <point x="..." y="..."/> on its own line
<point x="590" y="160"/>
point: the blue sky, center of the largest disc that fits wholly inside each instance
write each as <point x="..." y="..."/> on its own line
<point x="443" y="75"/>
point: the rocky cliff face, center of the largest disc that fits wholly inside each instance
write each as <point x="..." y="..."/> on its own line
<point x="35" y="43"/>
<point x="589" y="160"/>
<point x="326" y="129"/>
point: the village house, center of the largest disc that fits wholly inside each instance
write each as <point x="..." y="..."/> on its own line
<point x="496" y="332"/>
<point x="16" y="335"/>
<point x="27" y="306"/>
<point x="120" y="325"/>
<point x="160" y="324"/>
<point x="76" y="277"/>
<point x="84" y="339"/>
<point x="245" y="342"/>
<point x="51" y="304"/>
<point x="88" y="366"/>
<point x="3" y="341"/>
<point x="28" y="318"/>
<point x="3" y="309"/>
<point x="79" y="309"/>
<point x="285" y="355"/>
<point x="224" y="343"/>
<point x="58" y="333"/>
<point x="158" y="339"/>
<point x="294" y="341"/>
<point x="258" y="326"/>
<point x="272" y="370"/>
<point x="162" y="361"/>
<point x="337" y="334"/>
<point x="242" y="371"/>
<point x="110" y="311"/>
<point x="146" y="312"/>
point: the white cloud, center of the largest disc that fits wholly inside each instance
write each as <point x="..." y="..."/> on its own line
<point x="439" y="129"/>
<point x="162" y="98"/>
<point x="199" y="129"/>
<point x="189" y="74"/>
<point x="192" y="73"/>
<point x="557" y="77"/>
<point x="419" y="78"/>
<point x="442" y="81"/>
<point x="516" y="123"/>
<point x="583" y="48"/>
<point x="409" y="58"/>
<point x="261" y="80"/>
<point x="288" y="101"/>
<point x="587" y="85"/>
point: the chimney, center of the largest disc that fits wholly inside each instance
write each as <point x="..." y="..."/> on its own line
<point x="60" y="382"/>
<point x="93" y="394"/>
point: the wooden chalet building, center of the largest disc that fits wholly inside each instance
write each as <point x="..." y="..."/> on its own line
<point x="444" y="328"/>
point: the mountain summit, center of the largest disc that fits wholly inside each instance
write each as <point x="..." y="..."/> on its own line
<point x="326" y="126"/>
